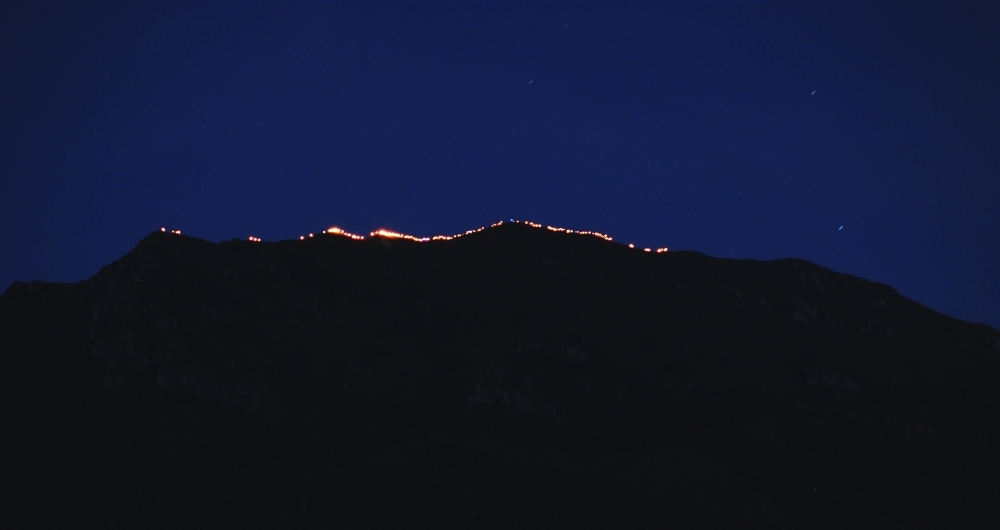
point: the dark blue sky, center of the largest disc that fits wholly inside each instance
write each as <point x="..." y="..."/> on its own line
<point x="744" y="130"/>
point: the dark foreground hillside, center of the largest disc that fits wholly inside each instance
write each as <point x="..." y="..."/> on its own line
<point x="512" y="378"/>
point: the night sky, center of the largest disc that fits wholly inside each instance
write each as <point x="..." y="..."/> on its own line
<point x="863" y="137"/>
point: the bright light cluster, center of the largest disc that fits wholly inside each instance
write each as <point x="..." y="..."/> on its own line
<point x="254" y="239"/>
<point x="339" y="232"/>
<point x="396" y="235"/>
<point x="178" y="232"/>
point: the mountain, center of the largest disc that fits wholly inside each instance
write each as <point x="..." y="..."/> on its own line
<point x="516" y="376"/>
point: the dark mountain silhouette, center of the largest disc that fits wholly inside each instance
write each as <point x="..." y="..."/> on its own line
<point x="511" y="378"/>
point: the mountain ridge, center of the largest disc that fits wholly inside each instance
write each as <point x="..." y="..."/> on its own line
<point x="383" y="380"/>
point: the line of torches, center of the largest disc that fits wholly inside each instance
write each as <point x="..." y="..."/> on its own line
<point x="382" y="232"/>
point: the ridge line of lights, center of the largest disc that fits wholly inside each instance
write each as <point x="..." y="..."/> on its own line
<point x="383" y="232"/>
<point x="583" y="233"/>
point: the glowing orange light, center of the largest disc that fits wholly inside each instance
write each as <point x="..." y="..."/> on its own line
<point x="337" y="231"/>
<point x="664" y="249"/>
<point x="396" y="235"/>
<point x="630" y="245"/>
<point x="163" y="229"/>
<point x="646" y="249"/>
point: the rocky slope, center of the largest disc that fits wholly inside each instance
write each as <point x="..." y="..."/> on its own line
<point x="508" y="378"/>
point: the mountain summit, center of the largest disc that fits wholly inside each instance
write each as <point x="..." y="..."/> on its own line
<point x="512" y="377"/>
